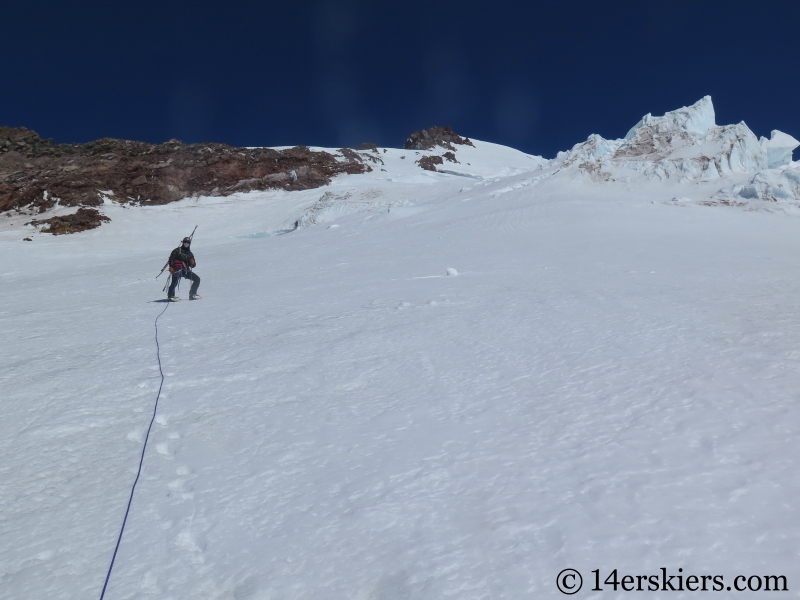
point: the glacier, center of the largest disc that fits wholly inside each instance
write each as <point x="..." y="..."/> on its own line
<point x="685" y="144"/>
<point x="440" y="384"/>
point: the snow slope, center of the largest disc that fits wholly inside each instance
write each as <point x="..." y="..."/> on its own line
<point x="610" y="381"/>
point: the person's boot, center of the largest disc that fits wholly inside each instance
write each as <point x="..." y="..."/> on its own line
<point x="194" y="297"/>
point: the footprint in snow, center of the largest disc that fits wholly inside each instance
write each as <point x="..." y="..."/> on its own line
<point x="193" y="543"/>
<point x="179" y="485"/>
<point x="137" y="435"/>
<point x="165" y="449"/>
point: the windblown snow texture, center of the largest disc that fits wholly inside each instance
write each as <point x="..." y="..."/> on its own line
<point x="610" y="381"/>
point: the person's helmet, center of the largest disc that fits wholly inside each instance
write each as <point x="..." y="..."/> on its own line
<point x="186" y="242"/>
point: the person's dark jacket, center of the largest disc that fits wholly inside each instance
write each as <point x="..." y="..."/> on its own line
<point x="181" y="257"/>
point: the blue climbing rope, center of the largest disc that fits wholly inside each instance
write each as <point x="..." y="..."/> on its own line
<point x="141" y="459"/>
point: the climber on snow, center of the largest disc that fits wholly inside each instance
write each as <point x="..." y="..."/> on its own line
<point x="181" y="262"/>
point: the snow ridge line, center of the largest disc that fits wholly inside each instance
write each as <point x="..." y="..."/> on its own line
<point x="141" y="459"/>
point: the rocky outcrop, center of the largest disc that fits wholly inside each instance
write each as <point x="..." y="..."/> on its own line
<point x="37" y="174"/>
<point x="83" y="219"/>
<point x="429" y="162"/>
<point x="435" y="136"/>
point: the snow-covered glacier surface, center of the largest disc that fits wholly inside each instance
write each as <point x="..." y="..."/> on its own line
<point x="607" y="379"/>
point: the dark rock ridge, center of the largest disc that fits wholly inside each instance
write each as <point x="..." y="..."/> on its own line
<point x="435" y="136"/>
<point x="37" y="174"/>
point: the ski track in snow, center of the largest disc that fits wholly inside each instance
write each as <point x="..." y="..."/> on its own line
<point x="608" y="383"/>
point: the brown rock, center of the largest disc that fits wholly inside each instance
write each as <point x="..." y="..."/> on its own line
<point x="426" y="139"/>
<point x="429" y="162"/>
<point x="83" y="219"/>
<point x="36" y="173"/>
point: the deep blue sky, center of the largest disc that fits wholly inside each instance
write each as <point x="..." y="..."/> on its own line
<point x="537" y="76"/>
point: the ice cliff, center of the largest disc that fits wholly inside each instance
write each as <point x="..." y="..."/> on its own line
<point x="778" y="148"/>
<point x="686" y="145"/>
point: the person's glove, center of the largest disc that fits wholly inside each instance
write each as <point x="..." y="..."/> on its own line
<point x="171" y="270"/>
